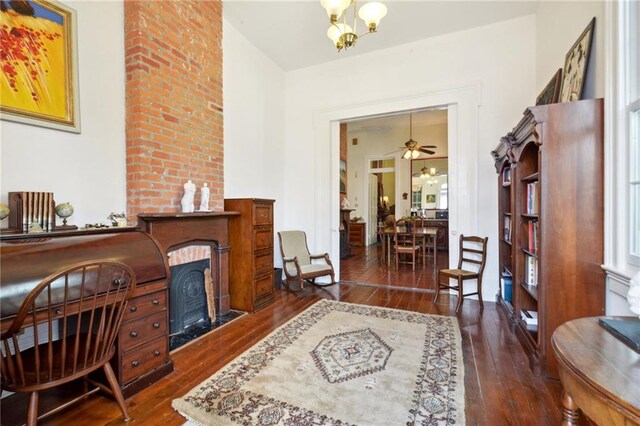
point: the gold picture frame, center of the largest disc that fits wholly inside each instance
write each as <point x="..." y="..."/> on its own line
<point x="39" y="76"/>
<point x="575" y="66"/>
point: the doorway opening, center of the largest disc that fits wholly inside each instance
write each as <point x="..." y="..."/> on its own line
<point x="386" y="181"/>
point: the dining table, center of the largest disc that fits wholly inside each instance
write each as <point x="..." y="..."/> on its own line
<point x="423" y="233"/>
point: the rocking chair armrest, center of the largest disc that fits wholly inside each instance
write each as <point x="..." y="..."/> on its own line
<point x="324" y="256"/>
<point x="289" y="259"/>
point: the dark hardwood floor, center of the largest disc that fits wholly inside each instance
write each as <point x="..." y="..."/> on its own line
<point x="365" y="265"/>
<point x="500" y="389"/>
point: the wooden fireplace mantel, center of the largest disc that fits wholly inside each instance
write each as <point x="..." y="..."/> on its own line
<point x="176" y="230"/>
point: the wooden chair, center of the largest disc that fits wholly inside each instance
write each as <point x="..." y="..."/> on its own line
<point x="297" y="261"/>
<point x="405" y="242"/>
<point x="75" y="316"/>
<point x="468" y="255"/>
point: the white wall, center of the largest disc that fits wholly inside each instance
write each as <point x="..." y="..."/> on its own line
<point x="87" y="169"/>
<point x="504" y="69"/>
<point x="253" y="96"/>
<point x="558" y="26"/>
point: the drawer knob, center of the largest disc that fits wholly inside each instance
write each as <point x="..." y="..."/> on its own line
<point x="135" y="363"/>
<point x="156" y="352"/>
<point x="156" y="325"/>
<point x="134" y="334"/>
<point x="155" y="302"/>
<point x="133" y="308"/>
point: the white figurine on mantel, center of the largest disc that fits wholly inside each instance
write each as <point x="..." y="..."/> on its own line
<point x="345" y="204"/>
<point x="633" y="296"/>
<point x="204" y="198"/>
<point x="187" y="198"/>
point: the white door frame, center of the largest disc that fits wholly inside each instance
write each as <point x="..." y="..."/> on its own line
<point x="373" y="224"/>
<point x="462" y="104"/>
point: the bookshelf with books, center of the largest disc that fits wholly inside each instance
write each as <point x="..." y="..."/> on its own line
<point x="505" y="296"/>
<point x="555" y="155"/>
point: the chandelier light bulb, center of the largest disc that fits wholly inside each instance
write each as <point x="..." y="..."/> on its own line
<point x="335" y="8"/>
<point x="372" y="13"/>
<point x="335" y="32"/>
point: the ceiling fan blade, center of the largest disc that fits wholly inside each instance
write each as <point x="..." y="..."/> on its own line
<point x="395" y="150"/>
<point x="426" y="151"/>
<point x="429" y="146"/>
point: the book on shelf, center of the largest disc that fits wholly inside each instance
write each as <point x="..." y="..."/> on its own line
<point x="533" y="236"/>
<point x="507" y="229"/>
<point x="531" y="270"/>
<point x="506" y="288"/>
<point x="532" y="198"/>
<point x="506" y="177"/>
<point x="529" y="317"/>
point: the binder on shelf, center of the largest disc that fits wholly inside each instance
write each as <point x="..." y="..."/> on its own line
<point x="532" y="198"/>
<point x="533" y="236"/>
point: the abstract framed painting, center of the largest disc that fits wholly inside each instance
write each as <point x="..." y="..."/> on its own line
<point x="39" y="74"/>
<point x="575" y="66"/>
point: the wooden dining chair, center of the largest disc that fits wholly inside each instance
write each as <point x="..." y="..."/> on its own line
<point x="406" y="243"/>
<point x="473" y="251"/>
<point x="74" y="316"/>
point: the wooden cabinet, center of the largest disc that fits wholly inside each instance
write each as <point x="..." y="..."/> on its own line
<point x="357" y="233"/>
<point x="551" y="222"/>
<point x="251" y="258"/>
<point x="442" y="238"/>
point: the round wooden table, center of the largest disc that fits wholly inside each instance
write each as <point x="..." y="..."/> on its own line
<point x="600" y="374"/>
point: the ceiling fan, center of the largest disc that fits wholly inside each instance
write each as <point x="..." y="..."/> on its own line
<point x="413" y="149"/>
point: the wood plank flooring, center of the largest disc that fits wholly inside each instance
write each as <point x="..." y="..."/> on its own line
<point x="500" y="389"/>
<point x="366" y="266"/>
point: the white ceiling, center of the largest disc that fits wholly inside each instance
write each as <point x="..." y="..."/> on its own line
<point x="293" y="33"/>
<point x="389" y="122"/>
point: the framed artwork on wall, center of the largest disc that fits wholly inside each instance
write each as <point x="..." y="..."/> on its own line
<point x="39" y="74"/>
<point x="575" y="66"/>
<point x="551" y="91"/>
<point x="343" y="177"/>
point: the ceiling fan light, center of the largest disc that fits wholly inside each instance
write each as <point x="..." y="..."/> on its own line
<point x="415" y="154"/>
<point x="407" y="155"/>
<point x="335" y="8"/>
<point x="372" y="13"/>
<point x="335" y="31"/>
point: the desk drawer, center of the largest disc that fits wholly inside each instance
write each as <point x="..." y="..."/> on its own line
<point x="262" y="237"/>
<point x="264" y="285"/>
<point x="262" y="214"/>
<point x="263" y="262"/>
<point x="145" y="305"/>
<point x="145" y="359"/>
<point x="142" y="330"/>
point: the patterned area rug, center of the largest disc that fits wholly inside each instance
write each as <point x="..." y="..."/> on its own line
<point x="340" y="364"/>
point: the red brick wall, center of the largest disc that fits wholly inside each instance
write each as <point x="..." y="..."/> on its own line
<point x="173" y="56"/>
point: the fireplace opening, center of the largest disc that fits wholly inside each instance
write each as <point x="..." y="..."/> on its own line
<point x="192" y="303"/>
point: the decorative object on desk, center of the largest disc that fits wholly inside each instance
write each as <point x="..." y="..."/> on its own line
<point x="575" y="66"/>
<point x="35" y="228"/>
<point x="633" y="296"/>
<point x="28" y="207"/>
<point x="187" y="198"/>
<point x="551" y="91"/>
<point x="40" y="74"/>
<point x="204" y="198"/>
<point x="64" y="210"/>
<point x="4" y="211"/>
<point x="343" y="352"/>
<point x="344" y="204"/>
<point x="343" y="177"/>
<point x="95" y="226"/>
<point x="118" y="219"/>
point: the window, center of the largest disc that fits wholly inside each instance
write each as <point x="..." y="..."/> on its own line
<point x="631" y="101"/>
<point x="444" y="190"/>
<point x="416" y="198"/>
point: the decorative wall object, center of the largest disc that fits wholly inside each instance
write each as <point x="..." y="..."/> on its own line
<point x="575" y="66"/>
<point x="343" y="177"/>
<point x="551" y="91"/>
<point x="39" y="74"/>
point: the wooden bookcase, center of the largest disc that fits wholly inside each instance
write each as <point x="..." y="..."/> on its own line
<point x="557" y="228"/>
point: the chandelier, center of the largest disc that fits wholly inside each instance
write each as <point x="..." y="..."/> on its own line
<point x="343" y="35"/>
